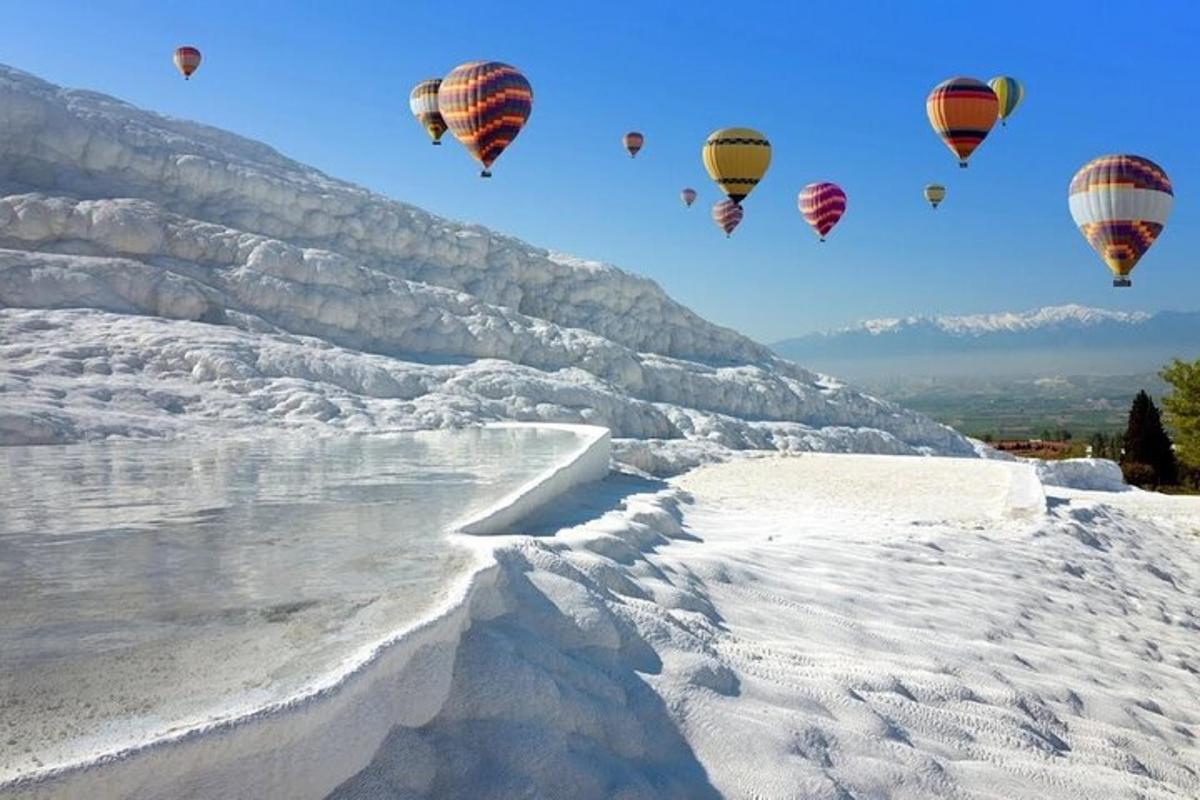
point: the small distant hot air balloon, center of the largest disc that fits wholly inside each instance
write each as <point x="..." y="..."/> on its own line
<point x="688" y="196"/>
<point x="633" y="142"/>
<point x="736" y="159"/>
<point x="423" y="101"/>
<point x="962" y="111"/>
<point x="727" y="214"/>
<point x="1121" y="203"/>
<point x="935" y="193"/>
<point x="1009" y="94"/>
<point x="186" y="59"/>
<point x="822" y="205"/>
<point x="485" y="104"/>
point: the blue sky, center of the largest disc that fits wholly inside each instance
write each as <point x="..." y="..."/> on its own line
<point x="838" y="88"/>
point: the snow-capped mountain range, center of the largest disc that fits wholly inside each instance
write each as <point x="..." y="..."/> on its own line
<point x="1068" y="339"/>
<point x="1005" y="322"/>
<point x="161" y="277"/>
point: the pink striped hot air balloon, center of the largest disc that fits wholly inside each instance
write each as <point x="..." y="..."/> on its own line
<point x="688" y="196"/>
<point x="727" y="214"/>
<point x="822" y="205"/>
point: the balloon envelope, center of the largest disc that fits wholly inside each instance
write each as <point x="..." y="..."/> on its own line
<point x="688" y="196"/>
<point x="633" y="142"/>
<point x="485" y="105"/>
<point x="962" y="111"/>
<point x="1009" y="94"/>
<point x="822" y="205"/>
<point x="736" y="159"/>
<point x="187" y="60"/>
<point x="1121" y="203"/>
<point x="935" y="193"/>
<point x="423" y="102"/>
<point x="727" y="214"/>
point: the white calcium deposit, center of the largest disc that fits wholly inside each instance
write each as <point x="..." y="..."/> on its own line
<point x="160" y="277"/>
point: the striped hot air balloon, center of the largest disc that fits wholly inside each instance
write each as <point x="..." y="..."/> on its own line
<point x="1009" y="94"/>
<point x="1121" y="203"/>
<point x="187" y="60"/>
<point x="736" y="159"/>
<point x="935" y="193"/>
<point x="962" y="111"/>
<point x="423" y="101"/>
<point x="633" y="142"/>
<point x="485" y="104"/>
<point x="688" y="196"/>
<point x="727" y="214"/>
<point x="822" y="205"/>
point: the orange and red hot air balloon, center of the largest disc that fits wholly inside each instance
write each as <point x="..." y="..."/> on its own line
<point x="822" y="205"/>
<point x="187" y="60"/>
<point x="633" y="142"/>
<point x="485" y="104"/>
<point x="962" y="111"/>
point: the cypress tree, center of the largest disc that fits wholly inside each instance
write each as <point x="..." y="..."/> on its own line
<point x="1147" y="443"/>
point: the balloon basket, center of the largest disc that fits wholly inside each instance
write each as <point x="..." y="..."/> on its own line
<point x="437" y="144"/>
<point x="1122" y="282"/>
<point x="485" y="174"/>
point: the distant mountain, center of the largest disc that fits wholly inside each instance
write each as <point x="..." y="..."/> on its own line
<point x="1069" y="339"/>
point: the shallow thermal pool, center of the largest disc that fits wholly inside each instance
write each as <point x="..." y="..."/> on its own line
<point x="147" y="587"/>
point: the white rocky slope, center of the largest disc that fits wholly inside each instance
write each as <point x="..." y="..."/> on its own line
<point x="153" y="270"/>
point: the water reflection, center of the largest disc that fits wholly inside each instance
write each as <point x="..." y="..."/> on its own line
<point x="175" y="578"/>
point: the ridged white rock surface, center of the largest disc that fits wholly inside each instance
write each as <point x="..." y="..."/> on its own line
<point x="153" y="269"/>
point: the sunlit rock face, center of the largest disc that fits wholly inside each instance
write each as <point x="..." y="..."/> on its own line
<point x="243" y="289"/>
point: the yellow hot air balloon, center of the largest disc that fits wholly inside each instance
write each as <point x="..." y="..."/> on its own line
<point x="935" y="193"/>
<point x="736" y="160"/>
<point x="1009" y="93"/>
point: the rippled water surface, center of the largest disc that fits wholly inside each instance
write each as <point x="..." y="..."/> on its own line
<point x="147" y="586"/>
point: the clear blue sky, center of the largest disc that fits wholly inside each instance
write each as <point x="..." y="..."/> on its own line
<point x="838" y="88"/>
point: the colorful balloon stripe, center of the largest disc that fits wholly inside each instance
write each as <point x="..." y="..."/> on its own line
<point x="1120" y="203"/>
<point x="962" y="111"/>
<point x="727" y="214"/>
<point x="1132" y="171"/>
<point x="423" y="102"/>
<point x="485" y="104"/>
<point x="1009" y="94"/>
<point x="822" y="205"/>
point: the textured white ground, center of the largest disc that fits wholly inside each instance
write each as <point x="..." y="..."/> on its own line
<point x="828" y="627"/>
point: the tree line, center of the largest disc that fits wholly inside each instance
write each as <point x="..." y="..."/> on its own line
<point x="1148" y="455"/>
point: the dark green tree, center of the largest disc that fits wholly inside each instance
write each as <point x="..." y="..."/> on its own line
<point x="1148" y="453"/>
<point x="1099" y="443"/>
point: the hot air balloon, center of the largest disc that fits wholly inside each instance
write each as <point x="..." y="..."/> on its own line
<point x="1009" y="94"/>
<point x="962" y="111"/>
<point x="736" y="159"/>
<point x="688" y="196"/>
<point x="186" y="59"/>
<point x="424" y="104"/>
<point x="822" y="205"/>
<point x="935" y="193"/>
<point x="633" y="142"/>
<point x="1120" y="204"/>
<point x="485" y="104"/>
<point x="727" y="214"/>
